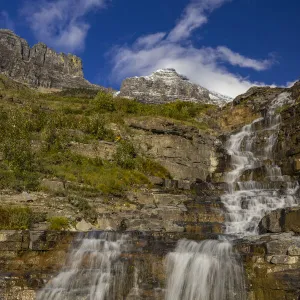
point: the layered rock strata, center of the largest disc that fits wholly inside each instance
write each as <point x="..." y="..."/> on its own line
<point x="39" y="66"/>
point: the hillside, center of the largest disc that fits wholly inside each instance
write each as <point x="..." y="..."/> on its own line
<point x="80" y="160"/>
<point x="80" y="154"/>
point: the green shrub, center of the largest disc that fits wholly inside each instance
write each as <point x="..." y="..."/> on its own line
<point x="150" y="167"/>
<point x="95" y="126"/>
<point x="58" y="223"/>
<point x="15" y="218"/>
<point x="104" y="102"/>
<point x="88" y="212"/>
<point x="105" y="176"/>
<point x="125" y="155"/>
<point x="78" y="93"/>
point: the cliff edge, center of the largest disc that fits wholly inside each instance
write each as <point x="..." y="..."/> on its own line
<point x="39" y="66"/>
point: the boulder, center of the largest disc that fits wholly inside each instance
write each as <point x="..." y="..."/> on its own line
<point x="84" y="226"/>
<point x="281" y="220"/>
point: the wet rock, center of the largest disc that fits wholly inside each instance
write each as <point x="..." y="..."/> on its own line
<point x="281" y="220"/>
<point x="284" y="259"/>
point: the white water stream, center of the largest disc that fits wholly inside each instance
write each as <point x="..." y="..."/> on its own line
<point x="93" y="270"/>
<point x="209" y="270"/>
<point x="255" y="183"/>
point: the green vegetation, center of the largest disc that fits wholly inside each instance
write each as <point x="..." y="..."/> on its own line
<point x="58" y="223"/>
<point x="37" y="131"/>
<point x="88" y="212"/>
<point x="15" y="218"/>
<point x="178" y="110"/>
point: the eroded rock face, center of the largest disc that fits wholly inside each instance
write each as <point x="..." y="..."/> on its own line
<point x="166" y="85"/>
<point x="186" y="152"/>
<point x="288" y="146"/>
<point x="272" y="266"/>
<point x="39" y="66"/>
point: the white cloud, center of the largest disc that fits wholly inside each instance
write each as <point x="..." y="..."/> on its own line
<point x="200" y="65"/>
<point x="5" y="20"/>
<point x="193" y="17"/>
<point x="61" y="23"/>
<point x="237" y="59"/>
<point x="204" y="66"/>
<point x="150" y="40"/>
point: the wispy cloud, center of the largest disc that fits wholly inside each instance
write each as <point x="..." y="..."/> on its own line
<point x="237" y="59"/>
<point x="194" y="16"/>
<point x="61" y="24"/>
<point x="150" y="40"/>
<point x="205" y="66"/>
<point x="6" y="21"/>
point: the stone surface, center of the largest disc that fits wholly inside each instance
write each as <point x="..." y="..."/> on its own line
<point x="101" y="149"/>
<point x="288" y="145"/>
<point x="39" y="66"/>
<point x="294" y="250"/>
<point x="272" y="272"/>
<point x="53" y="186"/>
<point x="166" y="85"/>
<point x="84" y="226"/>
<point x="284" y="259"/>
<point x="185" y="151"/>
<point x="281" y="220"/>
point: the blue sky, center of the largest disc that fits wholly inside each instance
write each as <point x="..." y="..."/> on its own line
<point x="224" y="45"/>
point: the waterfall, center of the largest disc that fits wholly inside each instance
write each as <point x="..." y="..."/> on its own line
<point x="205" y="270"/>
<point x="211" y="270"/>
<point x="208" y="270"/>
<point x="93" y="271"/>
<point x="251" y="151"/>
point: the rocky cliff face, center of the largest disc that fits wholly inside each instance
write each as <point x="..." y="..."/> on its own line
<point x="39" y="66"/>
<point x="166" y="85"/>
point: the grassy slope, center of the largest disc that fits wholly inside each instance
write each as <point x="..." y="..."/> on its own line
<point x="36" y="131"/>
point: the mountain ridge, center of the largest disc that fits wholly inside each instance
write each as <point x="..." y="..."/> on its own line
<point x="39" y="65"/>
<point x="166" y="85"/>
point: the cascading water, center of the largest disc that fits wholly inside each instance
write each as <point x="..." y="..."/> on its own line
<point x="251" y="151"/>
<point x="210" y="270"/>
<point x="93" y="271"/>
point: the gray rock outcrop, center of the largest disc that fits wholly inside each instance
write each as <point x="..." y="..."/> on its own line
<point x="166" y="85"/>
<point x="281" y="220"/>
<point x="39" y="66"/>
